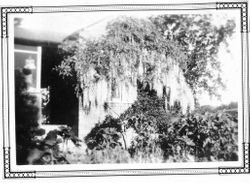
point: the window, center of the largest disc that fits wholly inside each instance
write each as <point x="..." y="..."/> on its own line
<point x="28" y="60"/>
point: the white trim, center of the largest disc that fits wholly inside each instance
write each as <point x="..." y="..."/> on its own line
<point x="38" y="63"/>
<point x="39" y="69"/>
<point x="27" y="51"/>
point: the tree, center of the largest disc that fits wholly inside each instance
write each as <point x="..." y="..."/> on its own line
<point x="191" y="40"/>
<point x="128" y="44"/>
<point x="200" y="40"/>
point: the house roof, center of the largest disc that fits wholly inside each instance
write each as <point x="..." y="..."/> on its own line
<point x="39" y="36"/>
<point x="54" y="28"/>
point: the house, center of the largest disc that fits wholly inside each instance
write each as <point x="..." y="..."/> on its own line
<point x="37" y="49"/>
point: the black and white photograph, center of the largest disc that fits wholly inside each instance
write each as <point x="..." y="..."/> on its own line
<point x="138" y="87"/>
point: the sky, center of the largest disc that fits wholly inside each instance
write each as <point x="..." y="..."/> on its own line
<point x="94" y="23"/>
<point x="230" y="59"/>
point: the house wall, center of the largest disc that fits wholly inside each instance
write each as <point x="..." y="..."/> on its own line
<point x="91" y="113"/>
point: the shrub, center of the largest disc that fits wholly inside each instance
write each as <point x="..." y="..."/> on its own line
<point x="146" y="117"/>
<point x="208" y="137"/>
<point x="167" y="136"/>
<point x="47" y="150"/>
<point x="105" y="134"/>
<point x="26" y="115"/>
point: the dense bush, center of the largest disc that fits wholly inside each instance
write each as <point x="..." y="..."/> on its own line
<point x="26" y="115"/>
<point x="105" y="134"/>
<point x="208" y="137"/>
<point x="148" y="118"/>
<point x="171" y="136"/>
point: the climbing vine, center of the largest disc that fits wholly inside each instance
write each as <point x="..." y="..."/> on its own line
<point x="132" y="49"/>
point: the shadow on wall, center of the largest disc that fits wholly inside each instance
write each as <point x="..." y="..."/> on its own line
<point x="63" y="105"/>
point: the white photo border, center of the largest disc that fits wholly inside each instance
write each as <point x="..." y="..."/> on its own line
<point x="220" y="6"/>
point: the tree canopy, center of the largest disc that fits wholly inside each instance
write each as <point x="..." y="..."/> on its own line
<point x="201" y="40"/>
<point x="191" y="40"/>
